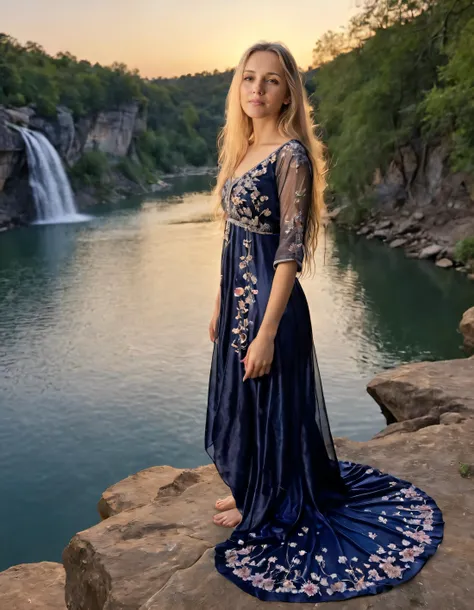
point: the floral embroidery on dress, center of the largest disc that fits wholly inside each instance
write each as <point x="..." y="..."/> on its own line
<point x="246" y="207"/>
<point x="250" y="563"/>
<point x="249" y="213"/>
<point x="245" y="296"/>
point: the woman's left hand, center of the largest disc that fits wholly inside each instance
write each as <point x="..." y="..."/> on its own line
<point x="259" y="357"/>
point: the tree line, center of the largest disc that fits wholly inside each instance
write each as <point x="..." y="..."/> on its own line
<point x="401" y="71"/>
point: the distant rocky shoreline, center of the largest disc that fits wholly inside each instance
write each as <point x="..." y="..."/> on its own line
<point x="418" y="204"/>
<point x="153" y="548"/>
<point x="418" y="234"/>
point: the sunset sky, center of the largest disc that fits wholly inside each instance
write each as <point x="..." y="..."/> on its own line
<point x="172" y="37"/>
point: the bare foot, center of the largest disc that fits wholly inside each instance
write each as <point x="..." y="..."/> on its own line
<point x="226" y="503"/>
<point x="229" y="518"/>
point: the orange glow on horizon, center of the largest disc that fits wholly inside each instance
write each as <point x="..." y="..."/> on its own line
<point x="172" y="40"/>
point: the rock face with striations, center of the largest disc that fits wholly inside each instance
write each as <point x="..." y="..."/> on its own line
<point x="15" y="207"/>
<point x="11" y="146"/>
<point x="112" y="131"/>
<point x="421" y="394"/>
<point x="61" y="132"/>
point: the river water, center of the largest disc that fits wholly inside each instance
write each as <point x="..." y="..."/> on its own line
<point x="105" y="353"/>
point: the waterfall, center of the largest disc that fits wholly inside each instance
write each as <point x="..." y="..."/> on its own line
<point x="52" y="193"/>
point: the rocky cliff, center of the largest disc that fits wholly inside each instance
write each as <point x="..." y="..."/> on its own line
<point x="15" y="203"/>
<point x="110" y="132"/>
<point x="419" y="204"/>
<point x="153" y="549"/>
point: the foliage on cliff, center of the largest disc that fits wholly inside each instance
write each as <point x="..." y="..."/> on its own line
<point x="403" y="70"/>
<point x="182" y="114"/>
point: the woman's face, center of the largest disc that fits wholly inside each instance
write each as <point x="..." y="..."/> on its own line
<point x="263" y="80"/>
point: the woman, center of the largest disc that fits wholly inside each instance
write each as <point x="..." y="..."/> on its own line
<point x="307" y="526"/>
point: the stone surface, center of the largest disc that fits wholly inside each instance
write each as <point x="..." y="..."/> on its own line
<point x="19" y="116"/>
<point x="16" y="205"/>
<point x="7" y="163"/>
<point x="425" y="389"/>
<point x="430" y="251"/>
<point x="136" y="490"/>
<point x="11" y="145"/>
<point x="124" y="560"/>
<point x="466" y="327"/>
<point x="160" y="556"/>
<point x="444" y="263"/>
<point x="112" y="131"/>
<point x="33" y="586"/>
<point x="451" y="418"/>
<point x="397" y="243"/>
<point x="412" y="425"/>
<point x="60" y="131"/>
<point x="408" y="225"/>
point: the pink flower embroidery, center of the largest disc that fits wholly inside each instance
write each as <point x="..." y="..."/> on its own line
<point x="243" y="573"/>
<point x="310" y="589"/>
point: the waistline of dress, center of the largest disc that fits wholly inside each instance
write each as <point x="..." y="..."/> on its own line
<point x="249" y="228"/>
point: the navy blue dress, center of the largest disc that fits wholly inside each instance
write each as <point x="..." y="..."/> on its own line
<point x="313" y="528"/>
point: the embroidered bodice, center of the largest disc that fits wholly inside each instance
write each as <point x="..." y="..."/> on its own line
<point x="274" y="197"/>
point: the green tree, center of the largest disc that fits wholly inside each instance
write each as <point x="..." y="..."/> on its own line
<point x="450" y="105"/>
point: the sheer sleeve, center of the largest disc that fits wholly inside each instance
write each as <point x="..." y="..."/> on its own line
<point x="294" y="176"/>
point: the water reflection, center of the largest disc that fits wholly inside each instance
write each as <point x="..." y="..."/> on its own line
<point x="412" y="308"/>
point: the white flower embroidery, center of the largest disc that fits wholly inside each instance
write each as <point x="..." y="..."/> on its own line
<point x="401" y="549"/>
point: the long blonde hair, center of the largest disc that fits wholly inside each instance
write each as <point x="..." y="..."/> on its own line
<point x="295" y="121"/>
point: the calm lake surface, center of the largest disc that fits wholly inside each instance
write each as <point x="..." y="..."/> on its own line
<point x="105" y="353"/>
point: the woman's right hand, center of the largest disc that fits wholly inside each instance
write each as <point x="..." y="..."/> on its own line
<point x="213" y="326"/>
